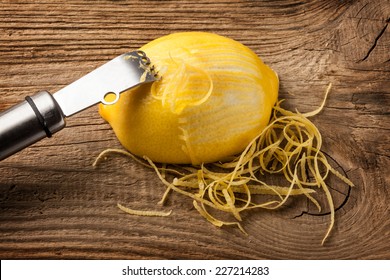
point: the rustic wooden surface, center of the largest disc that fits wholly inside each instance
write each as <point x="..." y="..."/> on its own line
<point x="54" y="204"/>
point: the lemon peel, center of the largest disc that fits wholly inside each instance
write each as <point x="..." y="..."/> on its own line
<point x="147" y="213"/>
<point x="289" y="145"/>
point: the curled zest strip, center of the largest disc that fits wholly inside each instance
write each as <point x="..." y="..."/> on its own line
<point x="173" y="96"/>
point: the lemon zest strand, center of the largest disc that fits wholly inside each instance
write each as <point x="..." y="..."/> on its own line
<point x="147" y="213"/>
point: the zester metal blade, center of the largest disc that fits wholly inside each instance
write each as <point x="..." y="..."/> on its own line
<point x="116" y="76"/>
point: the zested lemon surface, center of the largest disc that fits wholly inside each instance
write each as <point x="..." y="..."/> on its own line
<point x="214" y="96"/>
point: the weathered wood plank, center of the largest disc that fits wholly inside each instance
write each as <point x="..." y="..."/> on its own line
<point x="54" y="204"/>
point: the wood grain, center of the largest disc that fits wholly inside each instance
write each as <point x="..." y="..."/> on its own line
<point x="55" y="205"/>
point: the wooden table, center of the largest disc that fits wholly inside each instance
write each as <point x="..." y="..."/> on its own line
<point x="55" y="205"/>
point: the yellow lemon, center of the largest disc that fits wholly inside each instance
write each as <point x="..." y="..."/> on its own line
<point x="213" y="97"/>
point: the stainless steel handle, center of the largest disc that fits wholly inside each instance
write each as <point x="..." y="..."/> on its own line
<point x="37" y="117"/>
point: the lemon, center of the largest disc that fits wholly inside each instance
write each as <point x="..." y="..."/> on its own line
<point x="213" y="97"/>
